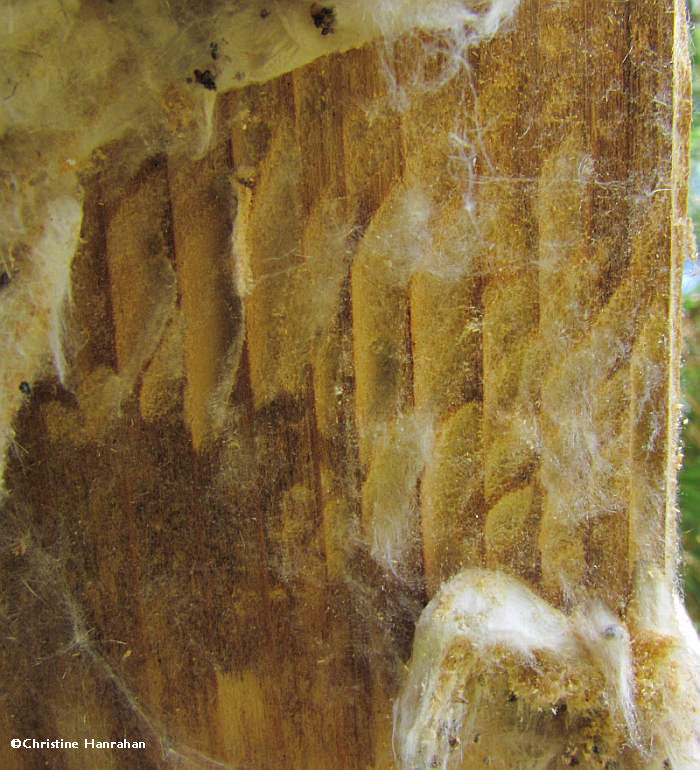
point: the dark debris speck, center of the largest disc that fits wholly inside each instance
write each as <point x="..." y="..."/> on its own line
<point x="26" y="388"/>
<point x="613" y="631"/>
<point x="324" y="18"/>
<point x="205" y="79"/>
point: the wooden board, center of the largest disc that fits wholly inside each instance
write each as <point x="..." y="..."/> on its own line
<point x="393" y="325"/>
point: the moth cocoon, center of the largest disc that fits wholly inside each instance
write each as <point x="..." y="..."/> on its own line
<point x="668" y="669"/>
<point x="494" y="664"/>
<point x="477" y="620"/>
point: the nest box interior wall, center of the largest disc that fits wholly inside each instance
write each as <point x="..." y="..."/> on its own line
<point x="339" y="392"/>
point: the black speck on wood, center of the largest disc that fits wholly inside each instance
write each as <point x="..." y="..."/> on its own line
<point x="205" y="79"/>
<point x="323" y="18"/>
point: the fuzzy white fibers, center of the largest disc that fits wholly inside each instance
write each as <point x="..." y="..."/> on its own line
<point x="483" y="621"/>
<point x="32" y="307"/>
<point x="607" y="642"/>
<point x="398" y="241"/>
<point x="661" y="620"/>
<point x="389" y="495"/>
<point x="78" y="74"/>
<point x="84" y="73"/>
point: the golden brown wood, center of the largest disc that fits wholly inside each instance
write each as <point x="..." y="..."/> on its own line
<point x="387" y="329"/>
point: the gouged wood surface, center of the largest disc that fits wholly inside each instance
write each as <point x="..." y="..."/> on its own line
<point x="196" y="549"/>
